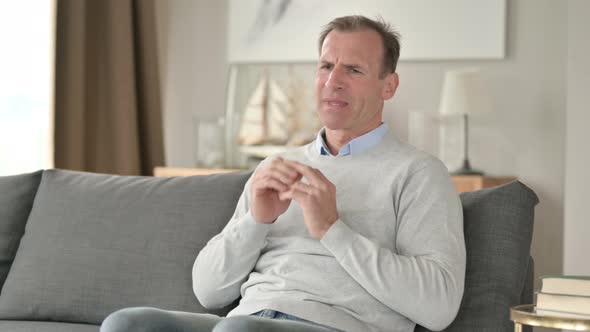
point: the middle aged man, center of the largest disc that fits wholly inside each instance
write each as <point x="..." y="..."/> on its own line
<point x="356" y="231"/>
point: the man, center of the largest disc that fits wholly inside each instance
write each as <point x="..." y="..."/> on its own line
<point x="355" y="231"/>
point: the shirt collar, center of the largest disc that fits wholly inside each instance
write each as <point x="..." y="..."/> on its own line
<point x="355" y="146"/>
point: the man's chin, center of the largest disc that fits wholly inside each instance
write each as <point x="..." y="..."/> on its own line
<point x="333" y="125"/>
<point x="332" y="122"/>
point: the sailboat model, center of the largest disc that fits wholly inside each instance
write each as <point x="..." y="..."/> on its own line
<point x="303" y="121"/>
<point x="264" y="121"/>
<point x="273" y="121"/>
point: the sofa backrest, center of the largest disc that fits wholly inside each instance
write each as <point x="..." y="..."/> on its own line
<point x="96" y="243"/>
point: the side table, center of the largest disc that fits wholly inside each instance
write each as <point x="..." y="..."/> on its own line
<point x="476" y="182"/>
<point x="182" y="171"/>
<point x="526" y="315"/>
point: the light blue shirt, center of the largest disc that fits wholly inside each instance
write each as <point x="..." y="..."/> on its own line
<point x="357" y="145"/>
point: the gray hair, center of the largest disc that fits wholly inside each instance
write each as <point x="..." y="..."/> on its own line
<point x="389" y="37"/>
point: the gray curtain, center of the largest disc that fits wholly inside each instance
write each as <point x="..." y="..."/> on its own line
<point x="108" y="116"/>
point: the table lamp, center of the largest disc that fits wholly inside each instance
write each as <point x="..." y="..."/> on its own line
<point x="463" y="95"/>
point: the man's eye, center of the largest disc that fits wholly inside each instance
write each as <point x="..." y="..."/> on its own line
<point x="325" y="66"/>
<point x="354" y="71"/>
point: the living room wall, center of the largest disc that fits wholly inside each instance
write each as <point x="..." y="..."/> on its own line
<point x="524" y="136"/>
<point x="577" y="177"/>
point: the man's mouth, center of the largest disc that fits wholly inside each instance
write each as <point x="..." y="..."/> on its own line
<point x="336" y="103"/>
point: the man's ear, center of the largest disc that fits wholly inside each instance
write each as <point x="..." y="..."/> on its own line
<point x="390" y="86"/>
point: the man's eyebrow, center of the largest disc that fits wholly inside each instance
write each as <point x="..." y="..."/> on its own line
<point x="353" y="66"/>
<point x="347" y="65"/>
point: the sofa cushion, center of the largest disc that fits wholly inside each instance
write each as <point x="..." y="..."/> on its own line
<point x="24" y="326"/>
<point x="16" y="199"/>
<point x="97" y="243"/>
<point x="498" y="226"/>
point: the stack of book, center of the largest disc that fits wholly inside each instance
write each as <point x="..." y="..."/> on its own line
<point x="564" y="296"/>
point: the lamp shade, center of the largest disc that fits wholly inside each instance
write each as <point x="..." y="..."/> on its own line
<point x="463" y="93"/>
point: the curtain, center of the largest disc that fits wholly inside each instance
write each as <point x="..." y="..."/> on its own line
<point x="107" y="91"/>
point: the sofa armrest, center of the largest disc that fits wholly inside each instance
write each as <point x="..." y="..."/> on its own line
<point x="526" y="297"/>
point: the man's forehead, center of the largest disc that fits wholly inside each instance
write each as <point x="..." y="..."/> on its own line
<point x="347" y="60"/>
<point x="351" y="46"/>
<point x="366" y="34"/>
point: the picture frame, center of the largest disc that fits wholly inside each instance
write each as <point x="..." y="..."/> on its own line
<point x="286" y="31"/>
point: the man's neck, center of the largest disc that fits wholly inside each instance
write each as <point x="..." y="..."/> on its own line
<point x="336" y="139"/>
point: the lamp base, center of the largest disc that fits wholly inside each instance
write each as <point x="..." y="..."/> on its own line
<point x="466" y="169"/>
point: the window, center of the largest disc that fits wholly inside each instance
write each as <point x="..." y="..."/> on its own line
<point x="26" y="85"/>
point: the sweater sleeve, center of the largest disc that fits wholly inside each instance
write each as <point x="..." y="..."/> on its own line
<point x="424" y="278"/>
<point x="224" y="264"/>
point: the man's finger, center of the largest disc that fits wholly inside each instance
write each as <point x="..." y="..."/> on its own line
<point x="310" y="173"/>
<point x="294" y="193"/>
<point x="270" y="183"/>
<point x="285" y="195"/>
<point x="321" y="175"/>
<point x="285" y="173"/>
<point x="305" y="188"/>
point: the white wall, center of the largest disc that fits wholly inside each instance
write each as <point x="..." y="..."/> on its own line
<point x="194" y="70"/>
<point x="524" y="136"/>
<point x="577" y="179"/>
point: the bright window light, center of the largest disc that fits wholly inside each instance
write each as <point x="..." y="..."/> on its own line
<point x="26" y="85"/>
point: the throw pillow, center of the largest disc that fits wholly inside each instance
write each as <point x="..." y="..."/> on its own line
<point x="16" y="199"/>
<point x="96" y="243"/>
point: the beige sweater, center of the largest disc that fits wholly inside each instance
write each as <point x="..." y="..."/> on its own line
<point x="395" y="257"/>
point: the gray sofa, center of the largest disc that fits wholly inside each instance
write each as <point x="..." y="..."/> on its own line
<point x="76" y="246"/>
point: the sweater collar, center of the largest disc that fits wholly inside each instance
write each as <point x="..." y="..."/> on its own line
<point x="356" y="145"/>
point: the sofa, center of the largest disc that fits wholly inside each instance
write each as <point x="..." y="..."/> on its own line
<point x="76" y="246"/>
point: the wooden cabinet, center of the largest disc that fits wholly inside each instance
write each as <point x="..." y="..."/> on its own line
<point x="463" y="183"/>
<point x="476" y="182"/>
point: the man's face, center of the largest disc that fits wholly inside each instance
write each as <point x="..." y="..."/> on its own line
<point x="349" y="90"/>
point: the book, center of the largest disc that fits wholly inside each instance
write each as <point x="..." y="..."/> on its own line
<point x="572" y="304"/>
<point x="568" y="285"/>
<point x="563" y="314"/>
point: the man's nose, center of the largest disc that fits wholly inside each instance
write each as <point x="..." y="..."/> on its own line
<point x="335" y="79"/>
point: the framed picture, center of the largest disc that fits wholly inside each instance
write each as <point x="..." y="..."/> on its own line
<point x="286" y="31"/>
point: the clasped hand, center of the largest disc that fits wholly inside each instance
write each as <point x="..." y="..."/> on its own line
<point x="276" y="184"/>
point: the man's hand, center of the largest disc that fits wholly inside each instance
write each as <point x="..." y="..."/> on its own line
<point x="317" y="199"/>
<point x="268" y="182"/>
